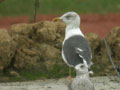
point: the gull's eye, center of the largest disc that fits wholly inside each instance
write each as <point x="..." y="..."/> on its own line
<point x="68" y="16"/>
<point x="82" y="66"/>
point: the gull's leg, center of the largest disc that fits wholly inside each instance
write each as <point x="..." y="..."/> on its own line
<point x="69" y="77"/>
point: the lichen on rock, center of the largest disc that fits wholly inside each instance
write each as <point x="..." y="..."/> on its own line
<point x="37" y="48"/>
<point x="113" y="40"/>
<point x="37" y="44"/>
<point x="7" y="49"/>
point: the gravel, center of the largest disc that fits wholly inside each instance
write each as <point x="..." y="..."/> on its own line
<point x="101" y="83"/>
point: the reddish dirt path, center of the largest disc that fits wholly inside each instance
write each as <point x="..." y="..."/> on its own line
<point x="99" y="24"/>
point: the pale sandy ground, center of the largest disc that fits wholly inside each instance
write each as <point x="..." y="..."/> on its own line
<point x="101" y="83"/>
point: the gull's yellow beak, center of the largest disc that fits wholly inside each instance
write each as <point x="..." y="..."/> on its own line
<point x="57" y="19"/>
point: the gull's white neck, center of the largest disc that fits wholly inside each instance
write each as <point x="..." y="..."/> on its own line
<point x="83" y="76"/>
<point x="71" y="31"/>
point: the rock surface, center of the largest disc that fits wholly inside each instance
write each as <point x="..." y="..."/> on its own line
<point x="114" y="42"/>
<point x="7" y="49"/>
<point x="37" y="47"/>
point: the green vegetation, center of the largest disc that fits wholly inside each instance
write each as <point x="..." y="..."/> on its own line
<point x="58" y="71"/>
<point x="26" y="7"/>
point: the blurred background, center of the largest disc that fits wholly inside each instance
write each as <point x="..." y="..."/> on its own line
<point x="26" y="7"/>
<point x="90" y="10"/>
<point x="28" y="51"/>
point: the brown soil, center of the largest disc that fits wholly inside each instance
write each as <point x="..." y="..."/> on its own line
<point x="99" y="24"/>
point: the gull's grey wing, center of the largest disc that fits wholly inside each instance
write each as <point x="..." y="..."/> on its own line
<point x="75" y="49"/>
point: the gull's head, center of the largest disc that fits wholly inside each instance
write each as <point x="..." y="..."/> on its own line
<point x="81" y="69"/>
<point x="70" y="18"/>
